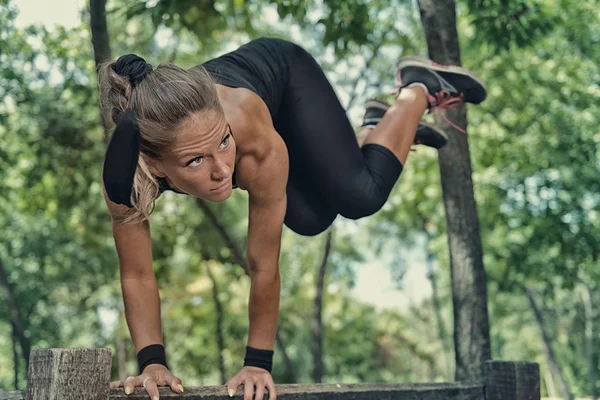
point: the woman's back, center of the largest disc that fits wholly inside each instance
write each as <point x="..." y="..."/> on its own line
<point x="256" y="66"/>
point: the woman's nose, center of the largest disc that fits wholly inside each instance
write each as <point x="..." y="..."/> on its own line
<point x="220" y="169"/>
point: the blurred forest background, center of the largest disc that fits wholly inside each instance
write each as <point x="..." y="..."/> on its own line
<point x="382" y="284"/>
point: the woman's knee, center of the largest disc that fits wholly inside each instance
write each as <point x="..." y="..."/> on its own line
<point x="306" y="226"/>
<point x="364" y="191"/>
<point x="358" y="205"/>
<point x="307" y="213"/>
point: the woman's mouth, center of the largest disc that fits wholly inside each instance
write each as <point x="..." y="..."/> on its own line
<point x="224" y="186"/>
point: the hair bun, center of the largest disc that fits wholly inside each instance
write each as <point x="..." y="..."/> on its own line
<point x="132" y="67"/>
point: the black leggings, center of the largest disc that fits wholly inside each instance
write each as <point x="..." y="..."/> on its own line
<point x="329" y="173"/>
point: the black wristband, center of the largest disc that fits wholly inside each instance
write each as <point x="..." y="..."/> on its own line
<point x="153" y="354"/>
<point x="259" y="358"/>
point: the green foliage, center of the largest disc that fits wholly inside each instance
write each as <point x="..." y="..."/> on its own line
<point x="507" y="23"/>
<point x="200" y="17"/>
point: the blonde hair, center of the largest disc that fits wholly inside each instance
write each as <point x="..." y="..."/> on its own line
<point x="161" y="101"/>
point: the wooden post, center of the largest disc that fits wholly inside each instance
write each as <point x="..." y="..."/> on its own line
<point x="505" y="380"/>
<point x="69" y="374"/>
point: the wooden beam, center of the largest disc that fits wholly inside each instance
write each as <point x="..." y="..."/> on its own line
<point x="12" y="395"/>
<point x="84" y="374"/>
<point x="360" y="391"/>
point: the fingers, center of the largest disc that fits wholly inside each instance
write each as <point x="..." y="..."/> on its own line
<point x="260" y="391"/>
<point x="115" y="384"/>
<point x="175" y="384"/>
<point x="151" y="387"/>
<point x="255" y="382"/>
<point x="248" y="389"/>
<point x="271" y="388"/>
<point x="131" y="382"/>
<point x="232" y="386"/>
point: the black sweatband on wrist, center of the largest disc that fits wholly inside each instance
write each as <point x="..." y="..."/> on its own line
<point x="153" y="354"/>
<point x="258" y="358"/>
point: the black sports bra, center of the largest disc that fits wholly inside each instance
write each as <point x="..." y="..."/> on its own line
<point x="163" y="185"/>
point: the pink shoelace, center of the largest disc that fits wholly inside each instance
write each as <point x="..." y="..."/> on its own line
<point x="442" y="100"/>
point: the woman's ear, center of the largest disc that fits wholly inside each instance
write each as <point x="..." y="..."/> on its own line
<point x="153" y="165"/>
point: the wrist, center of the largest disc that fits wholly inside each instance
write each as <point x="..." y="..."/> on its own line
<point x="258" y="358"/>
<point x="152" y="354"/>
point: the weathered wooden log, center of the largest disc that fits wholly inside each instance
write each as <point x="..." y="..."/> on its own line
<point x="84" y="374"/>
<point x="360" y="391"/>
<point x="12" y="395"/>
<point x="69" y="374"/>
<point x="511" y="380"/>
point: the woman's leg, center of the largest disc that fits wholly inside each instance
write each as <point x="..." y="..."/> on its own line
<point x="351" y="180"/>
<point x="307" y="213"/>
<point x="396" y="130"/>
<point x="323" y="148"/>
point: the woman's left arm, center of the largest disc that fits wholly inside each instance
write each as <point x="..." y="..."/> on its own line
<point x="264" y="175"/>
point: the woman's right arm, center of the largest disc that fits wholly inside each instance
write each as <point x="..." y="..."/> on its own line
<point x="141" y="298"/>
<point x="138" y="282"/>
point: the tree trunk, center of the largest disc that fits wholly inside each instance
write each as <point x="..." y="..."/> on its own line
<point x="437" y="308"/>
<point x="413" y="347"/>
<point x="317" y="320"/>
<point x="469" y="292"/>
<point x="435" y="298"/>
<point x="101" y="43"/>
<point x="100" y="38"/>
<point x="290" y="369"/>
<point x="552" y="362"/>
<point x="122" y="357"/>
<point x="15" y="315"/>
<point x="549" y="382"/>
<point x="238" y="254"/>
<point x="241" y="261"/>
<point x="15" y="339"/>
<point x="589" y="338"/>
<point x="220" y="336"/>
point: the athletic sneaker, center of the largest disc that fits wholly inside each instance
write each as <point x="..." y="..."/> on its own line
<point x="427" y="134"/>
<point x="446" y="84"/>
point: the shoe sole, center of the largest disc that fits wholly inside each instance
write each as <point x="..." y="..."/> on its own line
<point x="434" y="138"/>
<point x="377" y="103"/>
<point x="417" y="61"/>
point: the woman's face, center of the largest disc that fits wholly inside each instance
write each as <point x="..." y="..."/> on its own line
<point x="202" y="159"/>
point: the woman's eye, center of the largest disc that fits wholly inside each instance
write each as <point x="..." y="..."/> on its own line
<point x="194" y="162"/>
<point x="225" y="141"/>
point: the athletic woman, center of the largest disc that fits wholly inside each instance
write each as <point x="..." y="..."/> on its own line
<point x="264" y="119"/>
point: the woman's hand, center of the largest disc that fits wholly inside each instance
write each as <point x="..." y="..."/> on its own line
<point x="154" y="375"/>
<point x="252" y="377"/>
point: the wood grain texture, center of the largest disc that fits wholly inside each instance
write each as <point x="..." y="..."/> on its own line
<point x="12" y="395"/>
<point x="469" y="293"/>
<point x="69" y="374"/>
<point x="512" y="380"/>
<point x="363" y="391"/>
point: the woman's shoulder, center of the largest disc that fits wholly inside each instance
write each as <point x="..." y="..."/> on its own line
<point x="248" y="116"/>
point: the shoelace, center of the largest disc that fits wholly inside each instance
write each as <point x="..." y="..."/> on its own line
<point x="443" y="100"/>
